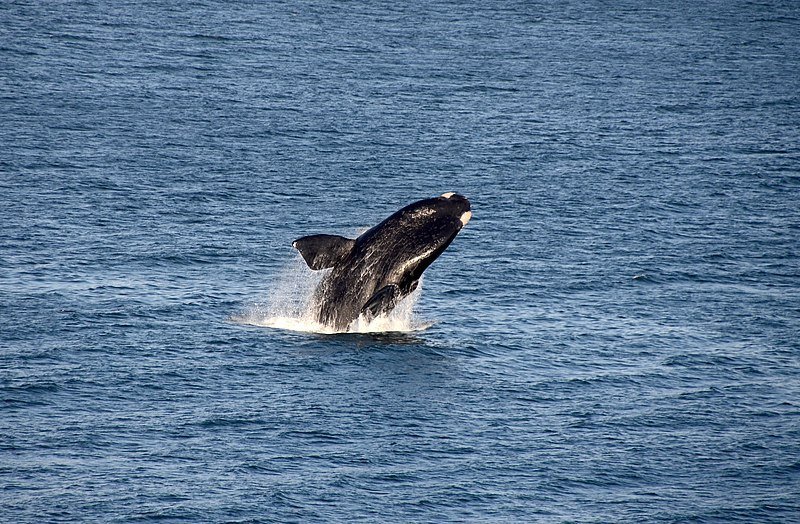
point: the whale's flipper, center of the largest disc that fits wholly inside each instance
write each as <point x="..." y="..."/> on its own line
<point x="387" y="297"/>
<point x="381" y="302"/>
<point x="323" y="251"/>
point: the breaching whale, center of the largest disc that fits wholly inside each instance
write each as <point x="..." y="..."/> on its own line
<point x="372" y="273"/>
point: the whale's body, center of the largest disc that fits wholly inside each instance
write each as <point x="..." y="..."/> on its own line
<point x="372" y="273"/>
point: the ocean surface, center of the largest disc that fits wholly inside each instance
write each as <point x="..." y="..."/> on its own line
<point x="614" y="337"/>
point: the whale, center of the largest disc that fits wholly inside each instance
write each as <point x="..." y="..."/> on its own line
<point x="371" y="274"/>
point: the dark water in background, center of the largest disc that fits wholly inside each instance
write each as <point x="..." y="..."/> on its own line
<point x="615" y="334"/>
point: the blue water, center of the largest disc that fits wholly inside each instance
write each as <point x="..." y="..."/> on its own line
<point x="614" y="337"/>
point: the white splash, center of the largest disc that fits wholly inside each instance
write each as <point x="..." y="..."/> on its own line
<point x="289" y="306"/>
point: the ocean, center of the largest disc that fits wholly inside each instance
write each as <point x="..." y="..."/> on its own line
<point x="614" y="337"/>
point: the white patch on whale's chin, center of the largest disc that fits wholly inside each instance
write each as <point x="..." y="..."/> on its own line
<point x="465" y="216"/>
<point x="448" y="195"/>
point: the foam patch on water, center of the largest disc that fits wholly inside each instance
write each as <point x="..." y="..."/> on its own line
<point x="289" y="306"/>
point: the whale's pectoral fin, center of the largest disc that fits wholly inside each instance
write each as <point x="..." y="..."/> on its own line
<point x="408" y="286"/>
<point x="381" y="302"/>
<point x="387" y="297"/>
<point x="323" y="251"/>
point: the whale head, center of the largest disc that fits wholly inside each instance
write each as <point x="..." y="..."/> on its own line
<point x="428" y="222"/>
<point x="417" y="234"/>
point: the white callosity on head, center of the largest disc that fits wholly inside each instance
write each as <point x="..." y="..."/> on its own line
<point x="421" y="214"/>
<point x="465" y="216"/>
<point x="448" y="195"/>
